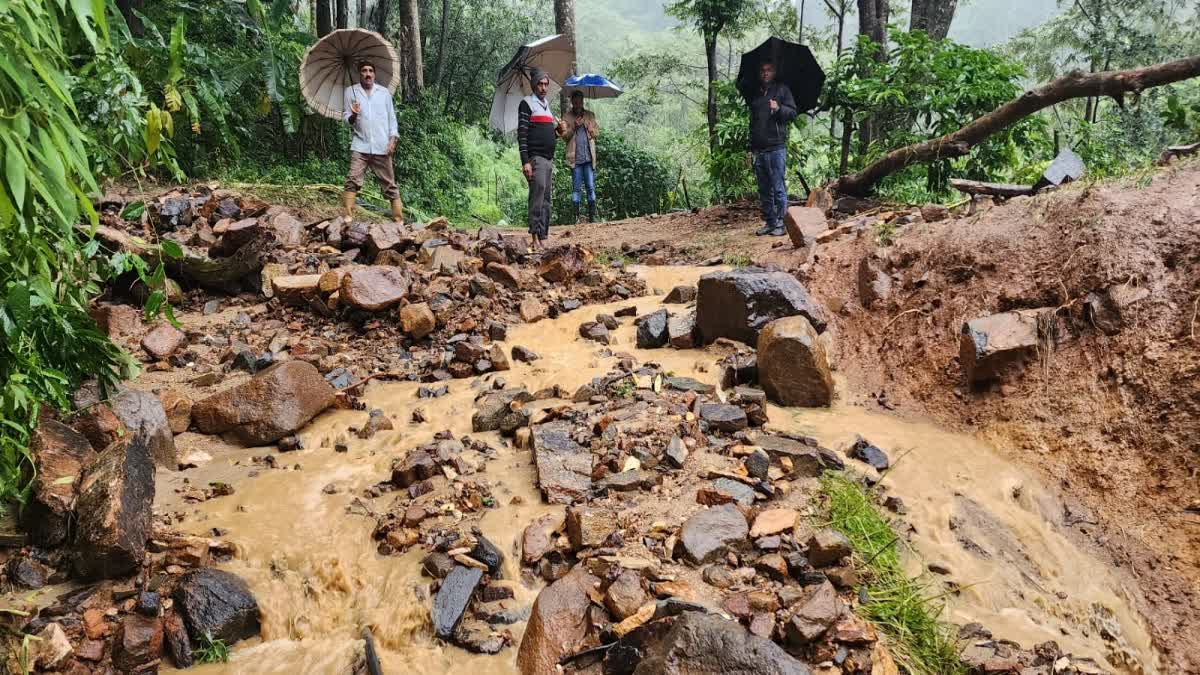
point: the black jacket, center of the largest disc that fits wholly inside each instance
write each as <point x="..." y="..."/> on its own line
<point x="769" y="130"/>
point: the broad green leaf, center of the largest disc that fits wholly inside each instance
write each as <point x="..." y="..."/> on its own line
<point x="172" y="250"/>
<point x="15" y="170"/>
<point x="17" y="304"/>
<point x="175" y="69"/>
<point x="83" y="16"/>
<point x="133" y="210"/>
<point x="153" y="134"/>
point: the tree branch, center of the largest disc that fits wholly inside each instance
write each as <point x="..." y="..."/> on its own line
<point x="1073" y="85"/>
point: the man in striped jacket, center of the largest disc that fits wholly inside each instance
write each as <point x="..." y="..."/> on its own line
<point x="537" y="132"/>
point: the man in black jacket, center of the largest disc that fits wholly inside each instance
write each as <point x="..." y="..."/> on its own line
<point x="771" y="115"/>
<point x="537" y="132"/>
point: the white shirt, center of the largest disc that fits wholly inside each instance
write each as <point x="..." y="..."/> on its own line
<point x="376" y="123"/>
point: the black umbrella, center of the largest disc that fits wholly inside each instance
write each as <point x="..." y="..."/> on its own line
<point x="795" y="66"/>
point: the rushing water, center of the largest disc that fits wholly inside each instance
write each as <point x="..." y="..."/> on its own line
<point x="319" y="580"/>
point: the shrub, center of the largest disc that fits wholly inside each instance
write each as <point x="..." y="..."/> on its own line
<point x="629" y="182"/>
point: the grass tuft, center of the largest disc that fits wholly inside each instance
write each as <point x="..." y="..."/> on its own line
<point x="906" y="609"/>
<point x="212" y="651"/>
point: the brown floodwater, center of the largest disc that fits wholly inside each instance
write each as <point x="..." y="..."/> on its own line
<point x="319" y="580"/>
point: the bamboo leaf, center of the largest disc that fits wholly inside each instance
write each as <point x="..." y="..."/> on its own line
<point x="153" y="134"/>
<point x="175" y="69"/>
<point x="14" y="171"/>
<point x="83" y="15"/>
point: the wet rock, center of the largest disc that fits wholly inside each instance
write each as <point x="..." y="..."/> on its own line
<point x="509" y="277"/>
<point x="792" y="365"/>
<point x="757" y="463"/>
<point x="815" y="613"/>
<point x="625" y="595"/>
<point x="828" y="547"/>
<point x="564" y="263"/>
<point x="535" y="542"/>
<point x="564" y="468"/>
<point x="162" y="341"/>
<point x="677" y="452"/>
<point x="141" y="412"/>
<point x="417" y="320"/>
<point x="57" y="455"/>
<point x="532" y="310"/>
<point x="278" y="402"/>
<point x="437" y="565"/>
<point x="443" y="259"/>
<point x="610" y="322"/>
<point x="706" y="535"/>
<point x="498" y="358"/>
<point x="735" y="491"/>
<point x="176" y="637"/>
<point x="503" y="613"/>
<point x="588" y="527"/>
<point x="596" y="332"/>
<point x="498" y="331"/>
<point x="628" y="481"/>
<point x="803" y="224"/>
<point x="652" y="330"/>
<point x="178" y="409"/>
<point x="452" y="599"/>
<point x="774" y="521"/>
<point x="148" y="603"/>
<point x="26" y="573"/>
<point x="113" y="511"/>
<point x="373" y="288"/>
<point x="626" y="312"/>
<point x="718" y="576"/>
<point x="416" y="466"/>
<point x="737" y="304"/>
<point x="990" y="346"/>
<point x="702" y="643"/>
<point x="524" y="354"/>
<point x="216" y="603"/>
<point x="558" y="622"/>
<point x="138" y="643"/>
<point x="499" y="411"/>
<point x="487" y="553"/>
<point x="478" y="638"/>
<point x="723" y="416"/>
<point x="288" y="230"/>
<point x="681" y="331"/>
<point x="864" y="451"/>
<point x="874" y="285"/>
<point x="680" y="295"/>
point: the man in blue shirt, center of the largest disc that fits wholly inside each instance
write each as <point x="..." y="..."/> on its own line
<point x="369" y="111"/>
<point x="581" y="152"/>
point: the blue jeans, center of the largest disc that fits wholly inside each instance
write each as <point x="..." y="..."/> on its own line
<point x="770" y="168"/>
<point x="581" y="174"/>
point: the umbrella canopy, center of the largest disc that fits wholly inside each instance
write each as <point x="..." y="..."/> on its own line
<point x="331" y="65"/>
<point x="593" y="86"/>
<point x="509" y="92"/>
<point x="795" y="66"/>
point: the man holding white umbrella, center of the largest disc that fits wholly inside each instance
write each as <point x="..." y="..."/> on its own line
<point x="372" y="117"/>
<point x="537" y="133"/>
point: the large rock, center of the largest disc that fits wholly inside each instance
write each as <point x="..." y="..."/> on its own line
<point x="163" y="340"/>
<point x="625" y="595"/>
<point x="819" y="609"/>
<point x="178" y="409"/>
<point x="564" y="467"/>
<point x="708" y="532"/>
<point x="991" y="345"/>
<point x="723" y="416"/>
<point x="559" y="621"/>
<point x="500" y="410"/>
<point x="874" y="284"/>
<point x="452" y="599"/>
<point x="505" y="275"/>
<point x="681" y="330"/>
<point x="803" y="224"/>
<point x="374" y="288"/>
<point x="138" y="644"/>
<point x="792" y="365"/>
<point x="216" y="603"/>
<point x="113" y="511"/>
<point x="738" y="303"/>
<point x="652" y="330"/>
<point x="276" y="403"/>
<point x="699" y="643"/>
<point x="564" y="263"/>
<point x="288" y="230"/>
<point x="679" y="295"/>
<point x="444" y="260"/>
<point x="417" y="320"/>
<point x="143" y="415"/>
<point x="532" y="310"/>
<point x="58" y="454"/>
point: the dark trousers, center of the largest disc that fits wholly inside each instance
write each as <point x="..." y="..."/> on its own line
<point x="770" y="168"/>
<point x="539" y="196"/>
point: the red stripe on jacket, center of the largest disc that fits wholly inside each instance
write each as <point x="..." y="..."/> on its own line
<point x="544" y="119"/>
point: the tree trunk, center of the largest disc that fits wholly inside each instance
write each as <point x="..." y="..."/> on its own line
<point x="382" y="9"/>
<point x="414" y="60"/>
<point x="710" y="54"/>
<point x="932" y="16"/>
<point x="564" y="24"/>
<point x="441" y="56"/>
<point x="360" y="19"/>
<point x="872" y="22"/>
<point x="324" y="18"/>
<point x="132" y="20"/>
<point x="1073" y="85"/>
<point x="342" y="13"/>
<point x="800" y="32"/>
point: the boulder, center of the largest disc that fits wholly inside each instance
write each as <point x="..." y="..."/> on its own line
<point x="288" y="230"/>
<point x="992" y="345"/>
<point x="533" y="310"/>
<point x="49" y="651"/>
<point x="804" y="223"/>
<point x="178" y="409"/>
<point x="500" y="410"/>
<point x="487" y="553"/>
<point x="596" y="332"/>
<point x="535" y="541"/>
<point x="373" y="288"/>
<point x="564" y="263"/>
<point x="113" y="511"/>
<point x="505" y="275"/>
<point x="793" y="368"/>
<point x="821" y="199"/>
<point x="681" y="330"/>
<point x="723" y="416"/>
<point x="57" y="456"/>
<point x="417" y="320"/>
<point x="705" y="536"/>
<point x="417" y="465"/>
<point x="138" y="644"/>
<point x="444" y="260"/>
<point x="625" y="595"/>
<point x="828" y="547"/>
<point x="558" y="622"/>
<point x="142" y="413"/>
<point x="874" y="284"/>
<point x="296" y="289"/>
<point x="738" y="303"/>
<point x="699" y="643"/>
<point x="456" y="592"/>
<point x="178" y="644"/>
<point x="1106" y="309"/>
<point x="162" y="341"/>
<point x="524" y="354"/>
<point x="564" y="467"/>
<point x="652" y="330"/>
<point x="216" y="603"/>
<point x="864" y="451"/>
<point x="588" y="527"/>
<point x="680" y="295"/>
<point x="819" y="609"/>
<point x="774" y="521"/>
<point x="275" y="403"/>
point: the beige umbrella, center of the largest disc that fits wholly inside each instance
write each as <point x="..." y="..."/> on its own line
<point x="331" y="65"/>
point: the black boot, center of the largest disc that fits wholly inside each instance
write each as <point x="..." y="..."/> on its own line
<point x="591" y="212"/>
<point x="576" y="213"/>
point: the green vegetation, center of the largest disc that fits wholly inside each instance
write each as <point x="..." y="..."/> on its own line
<point x="211" y="651"/>
<point x="906" y="609"/>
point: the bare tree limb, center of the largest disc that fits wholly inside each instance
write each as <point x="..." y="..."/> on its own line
<point x="1114" y="84"/>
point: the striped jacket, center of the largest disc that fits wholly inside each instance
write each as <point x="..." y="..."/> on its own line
<point x="537" y="130"/>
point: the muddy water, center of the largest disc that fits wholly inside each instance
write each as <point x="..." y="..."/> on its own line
<point x="314" y="568"/>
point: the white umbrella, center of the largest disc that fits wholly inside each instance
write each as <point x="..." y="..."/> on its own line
<point x="552" y="54"/>
<point x="331" y="65"/>
<point x="509" y="93"/>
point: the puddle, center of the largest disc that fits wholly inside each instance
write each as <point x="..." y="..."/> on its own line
<point x="319" y="580"/>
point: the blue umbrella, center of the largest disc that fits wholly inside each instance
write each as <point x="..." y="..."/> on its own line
<point x="593" y="86"/>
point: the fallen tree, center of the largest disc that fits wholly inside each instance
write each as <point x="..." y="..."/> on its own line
<point x="1115" y="84"/>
